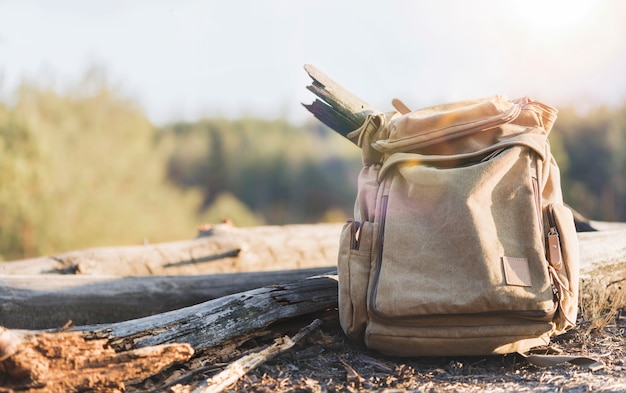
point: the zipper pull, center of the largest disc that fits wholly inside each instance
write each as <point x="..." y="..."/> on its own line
<point x="554" y="249"/>
<point x="554" y="243"/>
<point x="356" y="235"/>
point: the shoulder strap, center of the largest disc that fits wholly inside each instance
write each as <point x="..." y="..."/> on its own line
<point x="553" y="360"/>
<point x="400" y="106"/>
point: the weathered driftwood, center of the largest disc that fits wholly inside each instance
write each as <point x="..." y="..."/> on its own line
<point x="88" y="286"/>
<point x="210" y="323"/>
<point x="603" y="256"/>
<point x="49" y="301"/>
<point x="224" y="249"/>
<point x="65" y="362"/>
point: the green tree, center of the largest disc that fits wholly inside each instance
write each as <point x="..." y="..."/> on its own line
<point x="83" y="169"/>
<point x="284" y="173"/>
<point x="593" y="146"/>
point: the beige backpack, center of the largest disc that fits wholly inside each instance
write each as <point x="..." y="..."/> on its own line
<point x="460" y="243"/>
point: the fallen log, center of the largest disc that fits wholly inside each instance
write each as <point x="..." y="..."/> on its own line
<point x="222" y="249"/>
<point x="603" y="255"/>
<point x="39" y="302"/>
<point x="211" y="323"/>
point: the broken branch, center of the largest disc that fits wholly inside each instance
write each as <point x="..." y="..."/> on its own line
<point x="338" y="109"/>
<point x="242" y="366"/>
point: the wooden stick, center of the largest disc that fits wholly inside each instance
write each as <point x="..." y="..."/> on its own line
<point x="339" y="109"/>
<point x="242" y="366"/>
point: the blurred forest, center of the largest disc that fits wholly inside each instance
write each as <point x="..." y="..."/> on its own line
<point x="86" y="168"/>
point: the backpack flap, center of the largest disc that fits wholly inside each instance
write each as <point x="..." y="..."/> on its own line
<point x="534" y="142"/>
<point x="465" y="126"/>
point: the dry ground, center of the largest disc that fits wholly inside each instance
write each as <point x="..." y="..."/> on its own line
<point x="326" y="361"/>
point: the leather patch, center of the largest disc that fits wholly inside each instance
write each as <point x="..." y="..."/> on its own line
<point x="516" y="271"/>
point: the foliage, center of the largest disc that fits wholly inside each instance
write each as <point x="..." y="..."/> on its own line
<point x="285" y="174"/>
<point x="83" y="170"/>
<point x="591" y="151"/>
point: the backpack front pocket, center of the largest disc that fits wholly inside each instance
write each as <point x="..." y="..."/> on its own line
<point x="470" y="221"/>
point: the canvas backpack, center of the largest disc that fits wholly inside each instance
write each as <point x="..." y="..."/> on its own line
<point x="460" y="242"/>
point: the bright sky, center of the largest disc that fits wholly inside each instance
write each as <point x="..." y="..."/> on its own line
<point x="186" y="59"/>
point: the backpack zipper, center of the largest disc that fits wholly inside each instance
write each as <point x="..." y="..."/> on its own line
<point x="355" y="242"/>
<point x="535" y="183"/>
<point x="555" y="259"/>
<point x="379" y="257"/>
<point x="504" y="118"/>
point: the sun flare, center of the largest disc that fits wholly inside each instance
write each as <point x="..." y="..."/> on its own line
<point x="555" y="16"/>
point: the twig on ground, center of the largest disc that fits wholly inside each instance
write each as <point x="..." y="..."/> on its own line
<point x="240" y="367"/>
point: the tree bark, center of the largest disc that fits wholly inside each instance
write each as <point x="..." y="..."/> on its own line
<point x="105" y="356"/>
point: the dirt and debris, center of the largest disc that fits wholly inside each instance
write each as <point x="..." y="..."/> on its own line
<point x="326" y="361"/>
<point x="60" y="362"/>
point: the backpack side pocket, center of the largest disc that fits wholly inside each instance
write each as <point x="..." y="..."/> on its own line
<point x="355" y="255"/>
<point x="563" y="255"/>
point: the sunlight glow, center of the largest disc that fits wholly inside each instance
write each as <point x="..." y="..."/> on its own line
<point x="555" y="16"/>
